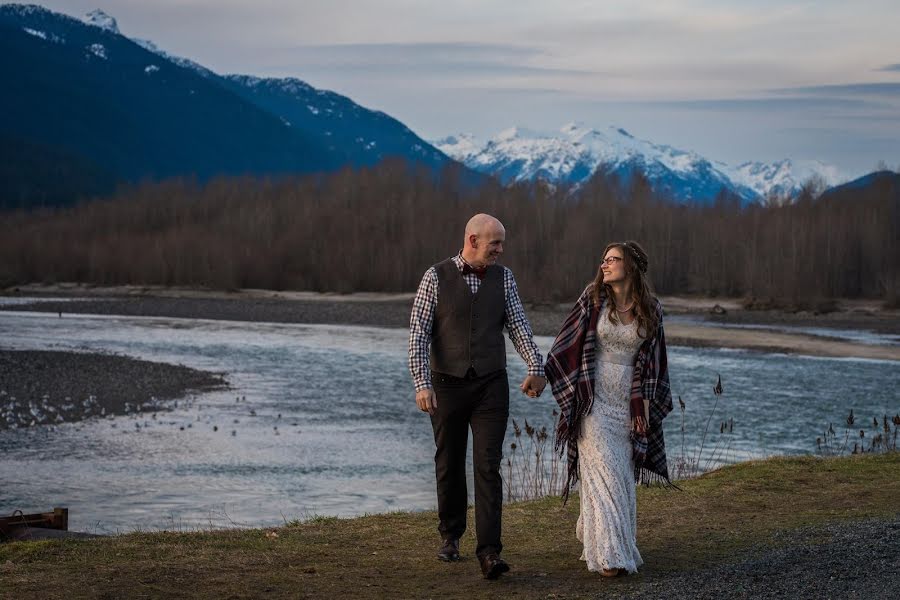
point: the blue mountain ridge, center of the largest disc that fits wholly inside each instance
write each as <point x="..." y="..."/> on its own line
<point x="86" y="108"/>
<point x="886" y="182"/>
<point x="101" y="95"/>
<point x="576" y="153"/>
<point x="88" y="95"/>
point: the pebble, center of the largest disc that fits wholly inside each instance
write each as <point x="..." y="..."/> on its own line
<point x="857" y="559"/>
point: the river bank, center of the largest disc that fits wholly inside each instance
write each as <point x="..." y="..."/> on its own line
<point x="783" y="527"/>
<point x="698" y="322"/>
<point x="51" y="387"/>
<point x="44" y="387"/>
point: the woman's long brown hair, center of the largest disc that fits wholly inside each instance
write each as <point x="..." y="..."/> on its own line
<point x="636" y="262"/>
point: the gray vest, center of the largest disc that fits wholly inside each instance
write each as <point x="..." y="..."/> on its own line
<point x="467" y="331"/>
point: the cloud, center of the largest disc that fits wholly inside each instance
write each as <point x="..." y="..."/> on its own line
<point x="516" y="91"/>
<point x="886" y="117"/>
<point x="593" y="32"/>
<point x="402" y="53"/>
<point x="894" y="67"/>
<point x="763" y="104"/>
<point x="457" y="58"/>
<point x="850" y="140"/>
<point x="885" y="89"/>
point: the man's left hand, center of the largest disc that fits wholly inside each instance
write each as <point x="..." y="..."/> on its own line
<point x="533" y="385"/>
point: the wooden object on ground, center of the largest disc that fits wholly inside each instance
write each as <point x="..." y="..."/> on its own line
<point x="58" y="519"/>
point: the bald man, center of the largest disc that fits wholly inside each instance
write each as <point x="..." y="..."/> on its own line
<point x="457" y="357"/>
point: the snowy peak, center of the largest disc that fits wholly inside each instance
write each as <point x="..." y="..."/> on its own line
<point x="178" y="60"/>
<point x="25" y="10"/>
<point x="784" y="178"/>
<point x="462" y="145"/>
<point x="518" y="154"/>
<point x="569" y="128"/>
<point x="288" y="85"/>
<point x="100" y="19"/>
<point x="575" y="152"/>
<point x="615" y="145"/>
<point x="168" y="111"/>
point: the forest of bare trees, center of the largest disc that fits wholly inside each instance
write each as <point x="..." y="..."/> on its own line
<point x="379" y="229"/>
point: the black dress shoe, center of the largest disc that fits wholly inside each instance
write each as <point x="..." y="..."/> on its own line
<point x="449" y="551"/>
<point x="492" y="566"/>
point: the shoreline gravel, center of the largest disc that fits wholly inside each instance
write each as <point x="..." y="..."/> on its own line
<point x="40" y="387"/>
<point x="700" y="328"/>
<point x="392" y="310"/>
<point x="855" y="559"/>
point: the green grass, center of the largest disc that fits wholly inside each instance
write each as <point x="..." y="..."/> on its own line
<point x="715" y="519"/>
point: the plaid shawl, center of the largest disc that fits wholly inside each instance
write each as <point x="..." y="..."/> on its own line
<point x="570" y="371"/>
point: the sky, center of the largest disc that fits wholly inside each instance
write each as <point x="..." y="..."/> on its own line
<point x="734" y="81"/>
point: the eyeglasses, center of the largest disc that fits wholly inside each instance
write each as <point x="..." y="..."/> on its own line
<point x="611" y="260"/>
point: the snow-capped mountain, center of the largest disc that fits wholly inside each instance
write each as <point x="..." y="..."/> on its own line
<point x="784" y="178"/>
<point x="84" y="89"/>
<point x="368" y="136"/>
<point x="576" y="152"/>
<point x="102" y="108"/>
<point x="461" y="146"/>
<point x="178" y="60"/>
<point x="100" y="19"/>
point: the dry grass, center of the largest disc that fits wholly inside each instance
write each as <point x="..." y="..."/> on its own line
<point x="715" y="519"/>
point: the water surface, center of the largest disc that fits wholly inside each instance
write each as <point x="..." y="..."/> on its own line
<point x="322" y="420"/>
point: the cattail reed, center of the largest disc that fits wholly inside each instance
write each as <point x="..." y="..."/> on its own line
<point x="881" y="438"/>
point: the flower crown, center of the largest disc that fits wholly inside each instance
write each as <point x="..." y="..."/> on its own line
<point x="639" y="261"/>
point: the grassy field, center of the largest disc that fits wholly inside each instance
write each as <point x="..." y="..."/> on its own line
<point x="715" y="519"/>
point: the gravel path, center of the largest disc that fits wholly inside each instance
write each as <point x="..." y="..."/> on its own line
<point x="47" y="387"/>
<point x="858" y="559"/>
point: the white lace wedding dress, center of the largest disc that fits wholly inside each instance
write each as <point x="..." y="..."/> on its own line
<point x="607" y="525"/>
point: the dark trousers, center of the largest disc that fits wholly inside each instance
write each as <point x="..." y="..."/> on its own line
<point x="481" y="403"/>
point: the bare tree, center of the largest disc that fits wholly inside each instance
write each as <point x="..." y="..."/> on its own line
<point x="378" y="229"/>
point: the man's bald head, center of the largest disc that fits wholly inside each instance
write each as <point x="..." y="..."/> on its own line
<point x="482" y="224"/>
<point x="483" y="244"/>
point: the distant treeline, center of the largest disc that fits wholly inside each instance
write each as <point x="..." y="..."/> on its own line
<point x="378" y="229"/>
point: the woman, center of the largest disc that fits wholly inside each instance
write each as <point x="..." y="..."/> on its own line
<point x="609" y="374"/>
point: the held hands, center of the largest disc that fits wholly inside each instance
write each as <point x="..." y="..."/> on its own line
<point x="426" y="400"/>
<point x="533" y="385"/>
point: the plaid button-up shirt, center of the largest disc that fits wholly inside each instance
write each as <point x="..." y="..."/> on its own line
<point x="423" y="316"/>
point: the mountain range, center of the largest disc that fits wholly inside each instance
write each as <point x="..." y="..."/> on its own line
<point x="87" y="108"/>
<point x="99" y="108"/>
<point x="575" y="153"/>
